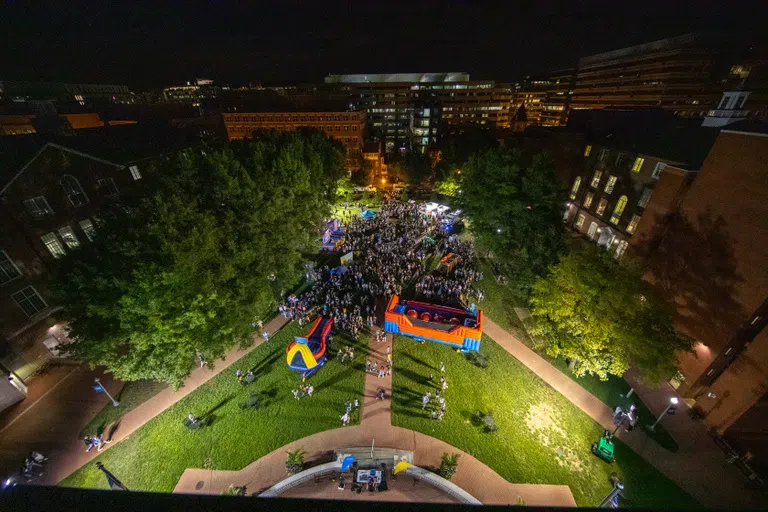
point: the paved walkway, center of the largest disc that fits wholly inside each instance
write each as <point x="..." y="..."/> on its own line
<point x="68" y="454"/>
<point x="698" y="467"/>
<point x="376" y="425"/>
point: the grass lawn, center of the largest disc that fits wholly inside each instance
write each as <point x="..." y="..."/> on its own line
<point x="499" y="304"/>
<point x="541" y="437"/>
<point x="154" y="457"/>
<point x="132" y="395"/>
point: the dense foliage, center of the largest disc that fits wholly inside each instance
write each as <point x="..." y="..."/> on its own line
<point x="599" y="313"/>
<point x="515" y="206"/>
<point x="183" y="271"/>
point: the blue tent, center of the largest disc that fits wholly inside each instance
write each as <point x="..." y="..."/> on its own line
<point x="367" y="214"/>
<point x="341" y="270"/>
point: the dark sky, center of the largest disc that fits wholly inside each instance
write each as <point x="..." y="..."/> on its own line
<point x="155" y="43"/>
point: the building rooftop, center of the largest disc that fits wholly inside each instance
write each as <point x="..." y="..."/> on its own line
<point x="653" y="132"/>
<point x="119" y="144"/>
<point x="456" y="76"/>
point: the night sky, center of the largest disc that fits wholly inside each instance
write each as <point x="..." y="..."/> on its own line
<point x="146" y="44"/>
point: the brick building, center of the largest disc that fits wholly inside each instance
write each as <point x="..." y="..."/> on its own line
<point x="346" y="127"/>
<point x="50" y="207"/>
<point x="711" y="262"/>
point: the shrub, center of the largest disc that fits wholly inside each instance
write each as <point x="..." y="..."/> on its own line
<point x="294" y="463"/>
<point x="449" y="463"/>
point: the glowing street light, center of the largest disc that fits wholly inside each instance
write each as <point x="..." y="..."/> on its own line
<point x="383" y="181"/>
<point x="673" y="401"/>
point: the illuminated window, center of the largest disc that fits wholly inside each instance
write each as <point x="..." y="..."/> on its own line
<point x="74" y="191"/>
<point x="643" y="202"/>
<point x="580" y="220"/>
<point x="8" y="271"/>
<point x="53" y="245"/>
<point x="587" y="150"/>
<point x="87" y="226"/>
<point x="610" y="184"/>
<point x="638" y="164"/>
<point x="632" y="226"/>
<point x="601" y="206"/>
<point x="588" y="199"/>
<point x="38" y="207"/>
<point x="592" y="230"/>
<point x="596" y="179"/>
<point x="658" y="170"/>
<point x="108" y="186"/>
<point x="620" y="159"/>
<point x="135" y="174"/>
<point x="69" y="237"/>
<point x="618" y="209"/>
<point x="575" y="188"/>
<point x="29" y="301"/>
<point x="621" y="248"/>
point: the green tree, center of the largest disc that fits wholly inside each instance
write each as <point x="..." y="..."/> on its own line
<point x="449" y="186"/>
<point x="363" y="176"/>
<point x="344" y="187"/>
<point x="184" y="270"/>
<point x="599" y="313"/>
<point x="515" y="206"/>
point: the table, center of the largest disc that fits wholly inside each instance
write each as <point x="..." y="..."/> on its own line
<point x="363" y="474"/>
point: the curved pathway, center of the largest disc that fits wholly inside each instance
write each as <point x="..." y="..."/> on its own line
<point x="69" y="456"/>
<point x="699" y="466"/>
<point x="376" y="426"/>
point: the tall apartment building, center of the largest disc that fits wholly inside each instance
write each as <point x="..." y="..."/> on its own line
<point x="529" y="94"/>
<point x="348" y="127"/>
<point x="399" y="103"/>
<point x="684" y="74"/>
<point x="557" y="100"/>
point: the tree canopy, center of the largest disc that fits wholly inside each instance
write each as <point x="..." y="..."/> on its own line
<point x="183" y="271"/>
<point x="515" y="205"/>
<point x="598" y="312"/>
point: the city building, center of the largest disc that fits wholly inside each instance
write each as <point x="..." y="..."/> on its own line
<point x="51" y="194"/>
<point x="529" y="94"/>
<point x="748" y="100"/>
<point x="348" y="127"/>
<point x="684" y="74"/>
<point x="373" y="156"/>
<point x="191" y="93"/>
<point x="399" y="103"/>
<point x="16" y="91"/>
<point x="710" y="260"/>
<point x="635" y="165"/>
<point x="557" y="101"/>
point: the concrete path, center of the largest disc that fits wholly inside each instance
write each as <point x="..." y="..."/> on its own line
<point x="376" y="425"/>
<point x="698" y="467"/>
<point x="67" y="452"/>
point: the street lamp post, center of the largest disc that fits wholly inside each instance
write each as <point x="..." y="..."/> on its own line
<point x="98" y="383"/>
<point x="673" y="401"/>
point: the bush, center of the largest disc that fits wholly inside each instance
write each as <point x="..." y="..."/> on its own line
<point x="448" y="465"/>
<point x="294" y="463"/>
<point x="486" y="418"/>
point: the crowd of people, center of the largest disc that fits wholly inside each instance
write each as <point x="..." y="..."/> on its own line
<point x="454" y="287"/>
<point x="388" y="252"/>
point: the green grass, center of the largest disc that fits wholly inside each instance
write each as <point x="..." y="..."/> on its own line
<point x="499" y="304"/>
<point x="542" y="437"/>
<point x="154" y="456"/>
<point x="132" y="395"/>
